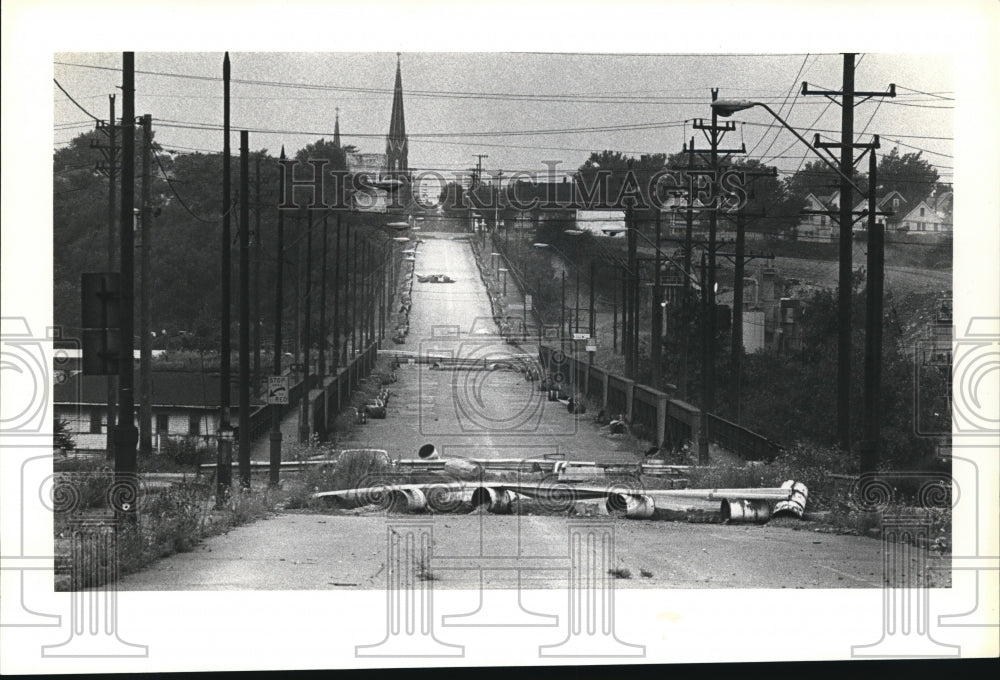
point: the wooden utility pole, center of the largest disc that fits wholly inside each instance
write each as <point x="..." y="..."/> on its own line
<point x="224" y="459"/>
<point x="321" y="369"/>
<point x="873" y="327"/>
<point x="244" y="442"/>
<point x="257" y="321"/>
<point x="110" y="169"/>
<point x="279" y="277"/>
<point x="145" y="296"/>
<point x="306" y="336"/>
<point x="845" y="219"/>
<point x="336" y="302"/>
<point x="126" y="434"/>
<point x="656" y="325"/>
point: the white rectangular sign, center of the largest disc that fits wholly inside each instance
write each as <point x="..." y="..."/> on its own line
<point x="527" y="302"/>
<point x="581" y="336"/>
<point x="277" y="389"/>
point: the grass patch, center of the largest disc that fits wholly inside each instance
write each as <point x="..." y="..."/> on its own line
<point x="169" y="521"/>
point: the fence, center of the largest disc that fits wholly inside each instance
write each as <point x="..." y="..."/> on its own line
<point x="668" y="422"/>
<point x="325" y="406"/>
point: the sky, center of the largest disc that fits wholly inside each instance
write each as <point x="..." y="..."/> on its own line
<point x="458" y="104"/>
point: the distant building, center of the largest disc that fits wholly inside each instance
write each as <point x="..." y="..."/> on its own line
<point x="185" y="406"/>
<point x="371" y="164"/>
<point x="397" y="146"/>
<point x="597" y="221"/>
<point x="929" y="216"/>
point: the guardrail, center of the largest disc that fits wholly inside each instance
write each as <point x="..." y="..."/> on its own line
<point x="670" y="421"/>
<point x="261" y="418"/>
<point x="749" y="445"/>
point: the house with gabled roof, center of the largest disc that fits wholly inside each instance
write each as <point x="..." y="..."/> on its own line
<point x="815" y="227"/>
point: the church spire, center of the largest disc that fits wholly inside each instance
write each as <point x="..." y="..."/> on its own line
<point x="396" y="144"/>
<point x="336" y="130"/>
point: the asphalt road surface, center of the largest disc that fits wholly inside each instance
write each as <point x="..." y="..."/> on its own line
<point x="473" y="413"/>
<point x="322" y="552"/>
<point x="496" y="413"/>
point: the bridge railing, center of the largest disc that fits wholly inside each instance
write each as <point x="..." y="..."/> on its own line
<point x="668" y="422"/>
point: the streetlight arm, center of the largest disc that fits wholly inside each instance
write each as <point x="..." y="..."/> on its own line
<point x="728" y="108"/>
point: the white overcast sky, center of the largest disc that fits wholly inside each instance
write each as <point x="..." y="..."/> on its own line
<point x="679" y="83"/>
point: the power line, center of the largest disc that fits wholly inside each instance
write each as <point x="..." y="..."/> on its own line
<point x="445" y="94"/>
<point x="75" y="101"/>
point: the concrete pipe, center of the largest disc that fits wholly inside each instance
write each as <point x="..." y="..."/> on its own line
<point x="633" y="506"/>
<point x="497" y="501"/>
<point x="428" y="452"/>
<point x="796" y="504"/>
<point x="405" y="500"/>
<point x="744" y="511"/>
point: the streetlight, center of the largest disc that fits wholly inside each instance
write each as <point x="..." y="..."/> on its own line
<point x="727" y="107"/>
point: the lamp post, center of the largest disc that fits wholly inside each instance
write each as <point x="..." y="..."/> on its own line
<point x="727" y="107"/>
<point x="724" y="107"/>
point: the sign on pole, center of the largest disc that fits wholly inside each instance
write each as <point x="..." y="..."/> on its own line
<point x="277" y="389"/>
<point x="581" y="336"/>
<point x="591" y="348"/>
<point x="527" y="302"/>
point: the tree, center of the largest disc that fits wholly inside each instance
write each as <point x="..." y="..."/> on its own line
<point x="605" y="176"/>
<point x="62" y="440"/>
<point x="909" y="174"/>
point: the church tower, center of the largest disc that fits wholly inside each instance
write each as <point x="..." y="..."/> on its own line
<point x="396" y="145"/>
<point x="336" y="130"/>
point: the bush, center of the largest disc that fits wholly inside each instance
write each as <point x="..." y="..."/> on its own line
<point x="186" y="452"/>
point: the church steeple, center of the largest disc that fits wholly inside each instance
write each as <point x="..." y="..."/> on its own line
<point x="336" y="130"/>
<point x="396" y="144"/>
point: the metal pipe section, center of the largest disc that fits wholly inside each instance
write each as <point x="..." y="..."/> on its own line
<point x="632" y="506"/>
<point x="497" y="501"/>
<point x="405" y="500"/>
<point x="795" y="505"/>
<point x="745" y="511"/>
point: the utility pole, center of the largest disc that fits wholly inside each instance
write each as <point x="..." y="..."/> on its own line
<point x="307" y="293"/>
<point x="714" y="132"/>
<point x="145" y="297"/>
<point x="126" y="434"/>
<point x="336" y="301"/>
<point x="846" y="222"/>
<point x="686" y="305"/>
<point x="739" y="264"/>
<point x="244" y="443"/>
<point x="224" y="460"/>
<point x="873" y="328"/>
<point x="257" y="321"/>
<point x="656" y="326"/>
<point x="614" y="317"/>
<point x="629" y="320"/>
<point x="739" y="259"/>
<point x="479" y="169"/>
<point x="592" y="326"/>
<point x="321" y="370"/>
<point x="278" y="318"/>
<point x="110" y="169"/>
<point x="562" y="314"/>
<point x="354" y="297"/>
